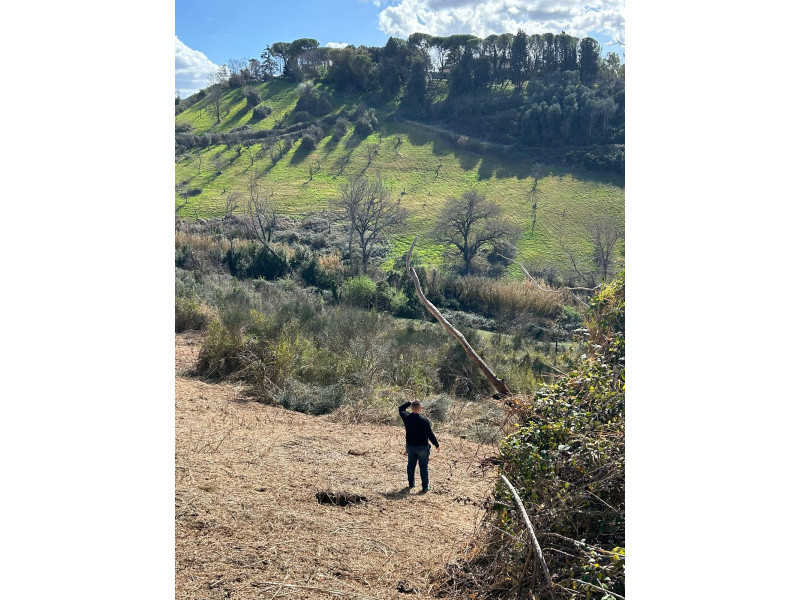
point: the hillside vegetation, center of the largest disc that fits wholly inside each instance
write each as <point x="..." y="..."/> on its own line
<point x="422" y="165"/>
<point x="525" y="120"/>
<point x="298" y="198"/>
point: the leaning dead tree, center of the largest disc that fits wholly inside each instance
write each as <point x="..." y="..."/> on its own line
<point x="499" y="384"/>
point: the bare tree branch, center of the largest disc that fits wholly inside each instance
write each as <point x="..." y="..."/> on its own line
<point x="534" y="541"/>
<point x="536" y="283"/>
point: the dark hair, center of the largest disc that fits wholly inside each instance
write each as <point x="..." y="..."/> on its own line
<point x="416" y="404"/>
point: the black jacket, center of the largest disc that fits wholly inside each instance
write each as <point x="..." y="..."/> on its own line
<point x="418" y="428"/>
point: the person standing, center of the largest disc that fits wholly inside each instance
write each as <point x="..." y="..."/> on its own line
<point x="418" y="432"/>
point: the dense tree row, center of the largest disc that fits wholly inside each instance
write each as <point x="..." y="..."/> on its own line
<point x="541" y="89"/>
<point x="560" y="107"/>
<point x="468" y="60"/>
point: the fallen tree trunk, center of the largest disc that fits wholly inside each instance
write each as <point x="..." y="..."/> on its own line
<point x="499" y="384"/>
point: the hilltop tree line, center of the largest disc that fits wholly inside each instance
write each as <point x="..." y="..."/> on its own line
<point x="467" y="60"/>
<point x="540" y="89"/>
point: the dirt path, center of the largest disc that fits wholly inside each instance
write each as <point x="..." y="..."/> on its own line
<point x="247" y="518"/>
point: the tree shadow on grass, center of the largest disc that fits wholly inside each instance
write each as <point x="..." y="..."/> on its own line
<point x="468" y="160"/>
<point x="331" y="144"/>
<point x="234" y="121"/>
<point x="300" y="155"/>
<point x="485" y="171"/>
<point x="506" y="169"/>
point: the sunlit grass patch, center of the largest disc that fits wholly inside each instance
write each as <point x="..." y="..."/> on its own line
<point x="422" y="168"/>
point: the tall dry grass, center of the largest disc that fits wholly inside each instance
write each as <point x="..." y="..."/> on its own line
<point x="501" y="298"/>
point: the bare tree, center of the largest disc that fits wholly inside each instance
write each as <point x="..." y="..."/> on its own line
<point x="371" y="212"/>
<point x="216" y="84"/>
<point x="313" y="168"/>
<point x="250" y="154"/>
<point x="235" y="143"/>
<point x="229" y="224"/>
<point x="236" y="65"/>
<point x="262" y="216"/>
<point x="340" y="162"/>
<point x="231" y="203"/>
<point x="470" y="223"/>
<point x="581" y="264"/>
<point x="274" y="150"/>
<point x="597" y="258"/>
<point x="537" y="172"/>
<point x="604" y="233"/>
<point x="185" y="202"/>
<point x="370" y="151"/>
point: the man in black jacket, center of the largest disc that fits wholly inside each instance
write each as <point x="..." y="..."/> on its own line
<point x="418" y="432"/>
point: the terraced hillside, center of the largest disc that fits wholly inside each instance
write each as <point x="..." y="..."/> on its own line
<point x="424" y="165"/>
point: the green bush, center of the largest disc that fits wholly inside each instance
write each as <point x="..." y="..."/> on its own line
<point x="236" y="81"/>
<point x="234" y="309"/>
<point x="362" y="127"/>
<point x="308" y="142"/>
<point x="313" y="101"/>
<point x="340" y="130"/>
<point x="190" y="314"/>
<point x="567" y="461"/>
<point x="571" y="318"/>
<point x="399" y="306"/>
<point x="437" y="408"/>
<point x="262" y="111"/>
<point x="457" y="373"/>
<point x="219" y="353"/>
<point x="359" y="291"/>
<point x="251" y="95"/>
<point x="254" y="260"/>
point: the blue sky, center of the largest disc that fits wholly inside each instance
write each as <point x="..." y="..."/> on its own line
<point x="209" y="32"/>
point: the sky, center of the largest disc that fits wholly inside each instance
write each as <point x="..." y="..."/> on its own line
<point x="209" y="32"/>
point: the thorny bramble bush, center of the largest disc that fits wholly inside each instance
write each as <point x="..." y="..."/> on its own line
<point x="566" y="459"/>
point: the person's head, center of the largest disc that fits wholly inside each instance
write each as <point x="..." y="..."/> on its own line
<point x="416" y="406"/>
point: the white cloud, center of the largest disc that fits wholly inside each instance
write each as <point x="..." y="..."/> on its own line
<point x="482" y="18"/>
<point x="336" y="45"/>
<point x="192" y="69"/>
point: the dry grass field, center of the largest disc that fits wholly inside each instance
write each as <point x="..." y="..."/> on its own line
<point x="248" y="522"/>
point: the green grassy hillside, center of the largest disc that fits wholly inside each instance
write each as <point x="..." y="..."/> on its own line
<point x="422" y="165"/>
